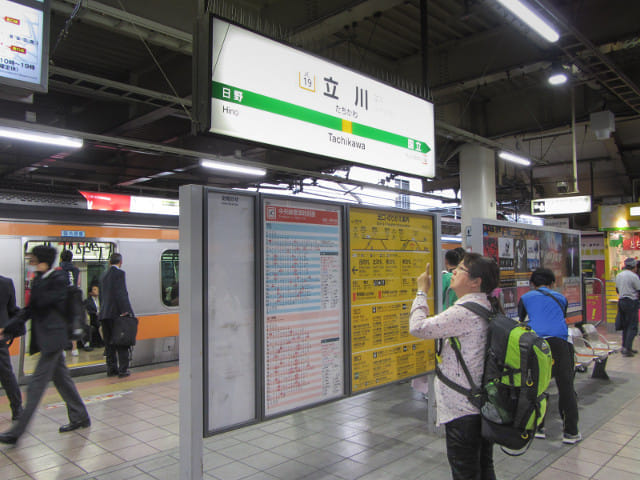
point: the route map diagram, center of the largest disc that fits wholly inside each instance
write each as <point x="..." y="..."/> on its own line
<point x="388" y="250"/>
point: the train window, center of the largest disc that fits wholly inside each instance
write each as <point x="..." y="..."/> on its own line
<point x="90" y="258"/>
<point x="169" y="269"/>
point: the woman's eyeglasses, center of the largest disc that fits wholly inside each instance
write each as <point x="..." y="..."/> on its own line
<point x="460" y="267"/>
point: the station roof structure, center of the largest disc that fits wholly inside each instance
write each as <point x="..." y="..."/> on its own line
<point x="120" y="76"/>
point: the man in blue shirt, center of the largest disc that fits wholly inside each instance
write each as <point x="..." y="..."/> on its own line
<point x="547" y="310"/>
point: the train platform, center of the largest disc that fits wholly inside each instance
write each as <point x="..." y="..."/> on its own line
<point x="380" y="435"/>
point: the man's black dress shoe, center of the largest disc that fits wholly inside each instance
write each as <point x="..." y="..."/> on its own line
<point x="8" y="439"/>
<point x="124" y="374"/>
<point x="75" y="425"/>
<point x="112" y="374"/>
<point x="634" y="351"/>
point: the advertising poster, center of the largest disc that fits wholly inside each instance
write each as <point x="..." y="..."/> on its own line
<point x="388" y="250"/>
<point x="522" y="249"/>
<point x="303" y="350"/>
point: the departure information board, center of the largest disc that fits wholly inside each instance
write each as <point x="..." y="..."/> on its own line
<point x="23" y="42"/>
<point x="303" y="307"/>
<point x="387" y="251"/>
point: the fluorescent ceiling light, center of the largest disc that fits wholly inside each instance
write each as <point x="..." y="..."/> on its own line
<point x="514" y="158"/>
<point x="38" y="137"/>
<point x="558" y="79"/>
<point x="229" y="167"/>
<point x="446" y="238"/>
<point x="529" y="17"/>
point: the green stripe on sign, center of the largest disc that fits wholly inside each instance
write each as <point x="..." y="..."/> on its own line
<point x="251" y="99"/>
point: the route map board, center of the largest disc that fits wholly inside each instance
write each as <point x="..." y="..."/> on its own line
<point x="303" y="307"/>
<point x="387" y="251"/>
<point x="520" y="249"/>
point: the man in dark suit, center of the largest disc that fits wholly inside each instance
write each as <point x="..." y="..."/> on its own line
<point x="92" y="306"/>
<point x="49" y="335"/>
<point x="114" y="302"/>
<point x="8" y="309"/>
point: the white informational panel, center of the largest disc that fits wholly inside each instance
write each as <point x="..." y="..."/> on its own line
<point x="561" y="205"/>
<point x="270" y="93"/>
<point x="303" y="304"/>
<point x="230" y="314"/>
<point x="23" y="51"/>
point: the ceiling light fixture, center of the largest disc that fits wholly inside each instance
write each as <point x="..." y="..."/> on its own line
<point x="558" y="75"/>
<point x="529" y="17"/>
<point x="557" y="78"/>
<point x="38" y="137"/>
<point x="514" y="158"/>
<point x="229" y="167"/>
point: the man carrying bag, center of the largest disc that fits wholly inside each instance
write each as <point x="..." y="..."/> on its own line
<point x="116" y="314"/>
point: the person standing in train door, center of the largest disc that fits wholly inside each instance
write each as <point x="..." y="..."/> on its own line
<point x="48" y="337"/>
<point x="92" y="306"/>
<point x="8" y="309"/>
<point x="73" y="274"/>
<point x="114" y="302"/>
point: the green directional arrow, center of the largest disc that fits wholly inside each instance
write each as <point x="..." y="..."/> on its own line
<point x="251" y="99"/>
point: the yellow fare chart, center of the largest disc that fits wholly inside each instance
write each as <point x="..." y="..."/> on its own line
<point x="387" y="252"/>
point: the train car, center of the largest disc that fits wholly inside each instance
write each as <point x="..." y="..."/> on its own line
<point x="148" y="243"/>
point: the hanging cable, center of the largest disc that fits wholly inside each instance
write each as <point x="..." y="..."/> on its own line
<point x="155" y="60"/>
<point x="64" y="33"/>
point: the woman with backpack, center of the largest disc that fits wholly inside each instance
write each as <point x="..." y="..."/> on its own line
<point x="470" y="456"/>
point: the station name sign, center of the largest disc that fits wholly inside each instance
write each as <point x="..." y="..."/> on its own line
<point x="561" y="205"/>
<point x="270" y="93"/>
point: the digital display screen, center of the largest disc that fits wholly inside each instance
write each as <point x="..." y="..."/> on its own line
<point x="22" y="40"/>
<point x="267" y="92"/>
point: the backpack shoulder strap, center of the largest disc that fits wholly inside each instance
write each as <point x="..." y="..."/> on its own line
<point x="562" y="307"/>
<point x="477" y="309"/>
<point x="473" y="393"/>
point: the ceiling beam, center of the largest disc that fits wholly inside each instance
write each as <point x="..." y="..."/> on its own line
<point x="114" y="19"/>
<point x="193" y="154"/>
<point x="327" y="26"/>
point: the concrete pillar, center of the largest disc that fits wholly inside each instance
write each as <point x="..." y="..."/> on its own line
<point x="477" y="186"/>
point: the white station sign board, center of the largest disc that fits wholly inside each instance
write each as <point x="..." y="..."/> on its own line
<point x="267" y="92"/>
<point x="21" y="45"/>
<point x="561" y="205"/>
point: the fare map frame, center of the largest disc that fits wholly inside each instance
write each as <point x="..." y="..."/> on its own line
<point x="388" y="249"/>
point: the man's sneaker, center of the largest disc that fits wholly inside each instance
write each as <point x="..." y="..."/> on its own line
<point x="571" y="439"/>
<point x="540" y="433"/>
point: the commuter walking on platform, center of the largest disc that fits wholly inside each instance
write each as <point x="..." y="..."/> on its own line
<point x="49" y="337"/>
<point x="114" y="302"/>
<point x="470" y="456"/>
<point x="547" y="311"/>
<point x="627" y="286"/>
<point x="8" y="309"/>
